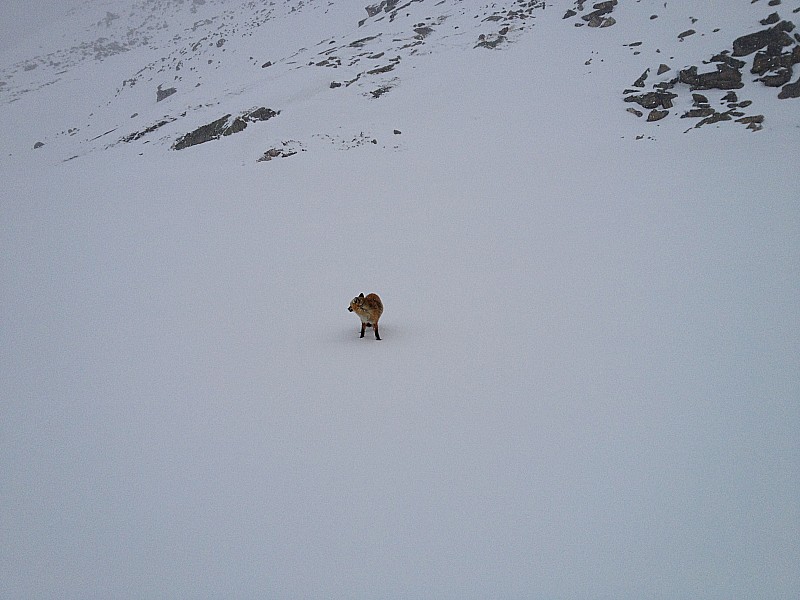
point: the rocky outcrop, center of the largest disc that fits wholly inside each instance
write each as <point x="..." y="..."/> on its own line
<point x="222" y="127"/>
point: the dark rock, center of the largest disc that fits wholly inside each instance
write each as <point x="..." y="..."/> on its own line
<point x="731" y="62"/>
<point x="652" y="100"/>
<point x="662" y="68"/>
<point x="751" y="119"/>
<point x="140" y="134"/>
<point x="790" y="90"/>
<point x="165" y="93"/>
<point x="260" y="114"/>
<point x="397" y="132"/>
<point x="779" y="78"/>
<point x="363" y="41"/>
<point x="778" y="34"/>
<point x="763" y="61"/>
<point x="38" y="145"/>
<point x="633" y="111"/>
<point x="724" y="78"/>
<point x="730" y="97"/>
<point x="770" y="20"/>
<point x="696" y="113"/>
<point x="715" y="118"/>
<point x="222" y="127"/>
<point x="657" y="115"/>
<point x="699" y="99"/>
<point x="335" y="84"/>
<point x="266" y="64"/>
<point x="686" y="34"/>
<point x="569" y="13"/>
<point x="203" y="134"/>
<point x="640" y="82"/>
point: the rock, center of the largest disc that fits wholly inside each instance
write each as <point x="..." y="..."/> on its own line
<point x="790" y="90"/>
<point x="570" y="13"/>
<point x="699" y="99"/>
<point x="696" y="113"/>
<point x="778" y="34"/>
<point x="222" y="127"/>
<point x="335" y="84"/>
<point x="730" y="97"/>
<point x="653" y="100"/>
<point x="764" y="61"/>
<point x="779" y="78"/>
<point x="724" y="78"/>
<point x="640" y="82"/>
<point x="633" y="111"/>
<point x="657" y="115"/>
<point x="165" y="93"/>
<point x="38" y="145"/>
<point x="770" y="20"/>
<point x="397" y="132"/>
<point x="685" y="34"/>
<point x="266" y="64"/>
<point x="731" y="62"/>
<point x="662" y="68"/>
<point x="751" y="119"/>
<point x="715" y="118"/>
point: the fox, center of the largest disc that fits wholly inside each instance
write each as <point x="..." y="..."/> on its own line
<point x="369" y="309"/>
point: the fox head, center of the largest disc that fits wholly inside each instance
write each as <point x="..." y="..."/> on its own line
<point x="357" y="302"/>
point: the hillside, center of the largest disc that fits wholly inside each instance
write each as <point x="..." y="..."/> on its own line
<point x="587" y="250"/>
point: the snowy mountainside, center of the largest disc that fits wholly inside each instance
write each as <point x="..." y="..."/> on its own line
<point x="154" y="70"/>
<point x="587" y="381"/>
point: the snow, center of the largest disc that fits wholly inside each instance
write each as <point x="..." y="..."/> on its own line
<point x="587" y="381"/>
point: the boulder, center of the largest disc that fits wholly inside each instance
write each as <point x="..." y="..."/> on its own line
<point x="777" y="34"/>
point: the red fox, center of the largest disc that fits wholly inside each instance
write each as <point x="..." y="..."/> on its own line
<point x="369" y="310"/>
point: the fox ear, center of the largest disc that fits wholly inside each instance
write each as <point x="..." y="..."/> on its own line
<point x="361" y="295"/>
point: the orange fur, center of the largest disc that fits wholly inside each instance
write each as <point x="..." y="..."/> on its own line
<point x="369" y="309"/>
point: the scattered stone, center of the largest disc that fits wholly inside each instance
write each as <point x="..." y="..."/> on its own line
<point x="657" y="115"/>
<point x="38" y="145"/>
<point x="335" y="84"/>
<point x="397" y="132"/>
<point x="266" y="64"/>
<point x="290" y="148"/>
<point x="699" y="99"/>
<point x="140" y="134"/>
<point x="686" y="34"/>
<point x="730" y="97"/>
<point x="634" y="111"/>
<point x="662" y="68"/>
<point x="569" y="14"/>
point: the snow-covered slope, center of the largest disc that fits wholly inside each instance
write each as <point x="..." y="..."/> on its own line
<point x="587" y="383"/>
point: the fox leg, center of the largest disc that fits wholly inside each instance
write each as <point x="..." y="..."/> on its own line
<point x="377" y="337"/>
<point x="363" y="329"/>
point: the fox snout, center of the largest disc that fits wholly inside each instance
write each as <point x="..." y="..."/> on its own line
<point x="350" y="308"/>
